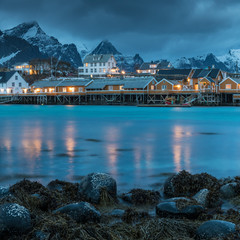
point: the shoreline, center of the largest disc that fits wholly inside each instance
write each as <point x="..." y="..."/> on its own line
<point x="93" y="209"/>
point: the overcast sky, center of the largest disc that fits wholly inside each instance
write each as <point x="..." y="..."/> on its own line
<point x="153" y="28"/>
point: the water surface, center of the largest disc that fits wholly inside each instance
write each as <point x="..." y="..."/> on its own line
<point x="140" y="147"/>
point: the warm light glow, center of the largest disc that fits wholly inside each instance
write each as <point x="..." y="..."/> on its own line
<point x="72" y="89"/>
<point x="51" y="90"/>
<point x="123" y="72"/>
<point x="64" y="89"/>
<point x="178" y="86"/>
<point x="37" y="90"/>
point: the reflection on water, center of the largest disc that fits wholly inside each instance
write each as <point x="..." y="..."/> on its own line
<point x="49" y="142"/>
<point x="181" y="148"/>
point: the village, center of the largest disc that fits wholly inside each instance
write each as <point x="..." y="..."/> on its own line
<point x="100" y="81"/>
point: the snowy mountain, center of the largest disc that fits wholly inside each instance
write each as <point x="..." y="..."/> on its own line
<point x="232" y="59"/>
<point x="47" y="45"/>
<point x="14" y="50"/>
<point x="206" y="61"/>
<point x="124" y="62"/>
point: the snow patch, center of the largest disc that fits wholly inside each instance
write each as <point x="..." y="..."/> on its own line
<point x="9" y="57"/>
<point x="32" y="32"/>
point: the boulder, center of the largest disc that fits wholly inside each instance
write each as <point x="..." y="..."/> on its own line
<point x="170" y="209"/>
<point x="215" y="229"/>
<point x="201" y="197"/>
<point x="4" y="191"/>
<point x="81" y="212"/>
<point x="229" y="190"/>
<point x="14" y="218"/>
<point x="184" y="184"/>
<point x="93" y="184"/>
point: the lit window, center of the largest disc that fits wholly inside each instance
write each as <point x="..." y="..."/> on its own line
<point x="121" y="87"/>
<point x="86" y="64"/>
<point x="164" y="87"/>
<point x="64" y="89"/>
<point x="228" y="86"/>
<point x="152" y="87"/>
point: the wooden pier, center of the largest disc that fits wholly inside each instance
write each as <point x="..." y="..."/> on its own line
<point x="123" y="98"/>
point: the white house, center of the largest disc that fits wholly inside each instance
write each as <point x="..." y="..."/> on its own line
<point x="100" y="65"/>
<point x="12" y="83"/>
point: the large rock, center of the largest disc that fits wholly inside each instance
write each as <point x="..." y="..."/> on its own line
<point x="4" y="191"/>
<point x="229" y="190"/>
<point x="14" y="218"/>
<point x="184" y="184"/>
<point x="215" y="229"/>
<point x="170" y="209"/>
<point x="201" y="197"/>
<point x="93" y="184"/>
<point x="81" y="212"/>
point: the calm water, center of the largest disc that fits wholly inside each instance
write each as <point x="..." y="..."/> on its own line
<point x="138" y="146"/>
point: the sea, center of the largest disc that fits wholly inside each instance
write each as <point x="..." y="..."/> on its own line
<point x="138" y="146"/>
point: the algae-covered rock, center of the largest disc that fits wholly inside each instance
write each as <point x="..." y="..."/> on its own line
<point x="15" y="218"/>
<point x="229" y="190"/>
<point x="170" y="209"/>
<point x="81" y="212"/>
<point x="185" y="184"/>
<point x="215" y="229"/>
<point x="92" y="185"/>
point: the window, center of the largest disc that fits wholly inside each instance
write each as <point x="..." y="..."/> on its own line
<point x="95" y="70"/>
<point x="164" y="87"/>
<point x="110" y="88"/>
<point x="20" y="84"/>
<point x="91" y="70"/>
<point x="95" y="64"/>
<point x="100" y="64"/>
<point x="86" y="64"/>
<point x="16" y="77"/>
<point x="81" y="89"/>
<point x="152" y="87"/>
<point x="100" y="70"/>
<point x="228" y="86"/>
<point x="121" y="87"/>
<point x="64" y="89"/>
<point x="109" y="64"/>
<point x="46" y="90"/>
<point x="91" y="64"/>
<point x="86" y="70"/>
<point x="13" y="84"/>
<point x="104" y="64"/>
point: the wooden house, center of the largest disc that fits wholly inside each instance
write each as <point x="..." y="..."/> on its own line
<point x="230" y="85"/>
<point x="166" y="85"/>
<point x="12" y="83"/>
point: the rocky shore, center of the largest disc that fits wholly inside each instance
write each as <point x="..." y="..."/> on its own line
<point x="187" y="207"/>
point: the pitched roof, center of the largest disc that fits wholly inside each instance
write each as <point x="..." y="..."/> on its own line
<point x="199" y="73"/>
<point x="101" y="58"/>
<point x="183" y="72"/>
<point x="173" y="82"/>
<point x="5" y="76"/>
<point x="209" y="79"/>
<point x="236" y="80"/>
<point x="61" y="83"/>
<point x="139" y="82"/>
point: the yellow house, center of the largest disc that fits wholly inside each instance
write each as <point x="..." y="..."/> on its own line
<point x="230" y="85"/>
<point x="207" y="84"/>
<point x="169" y="85"/>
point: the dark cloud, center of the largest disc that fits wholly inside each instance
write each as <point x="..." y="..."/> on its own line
<point x="154" y="28"/>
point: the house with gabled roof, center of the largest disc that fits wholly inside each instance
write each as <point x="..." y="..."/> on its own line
<point x="99" y="65"/>
<point x="12" y="83"/>
<point x="199" y="74"/>
<point x="230" y="84"/>
<point x="61" y="85"/>
<point x="167" y="85"/>
<point x="125" y="84"/>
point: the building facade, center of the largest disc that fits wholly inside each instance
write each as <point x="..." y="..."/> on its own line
<point x="99" y="65"/>
<point x="12" y="83"/>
